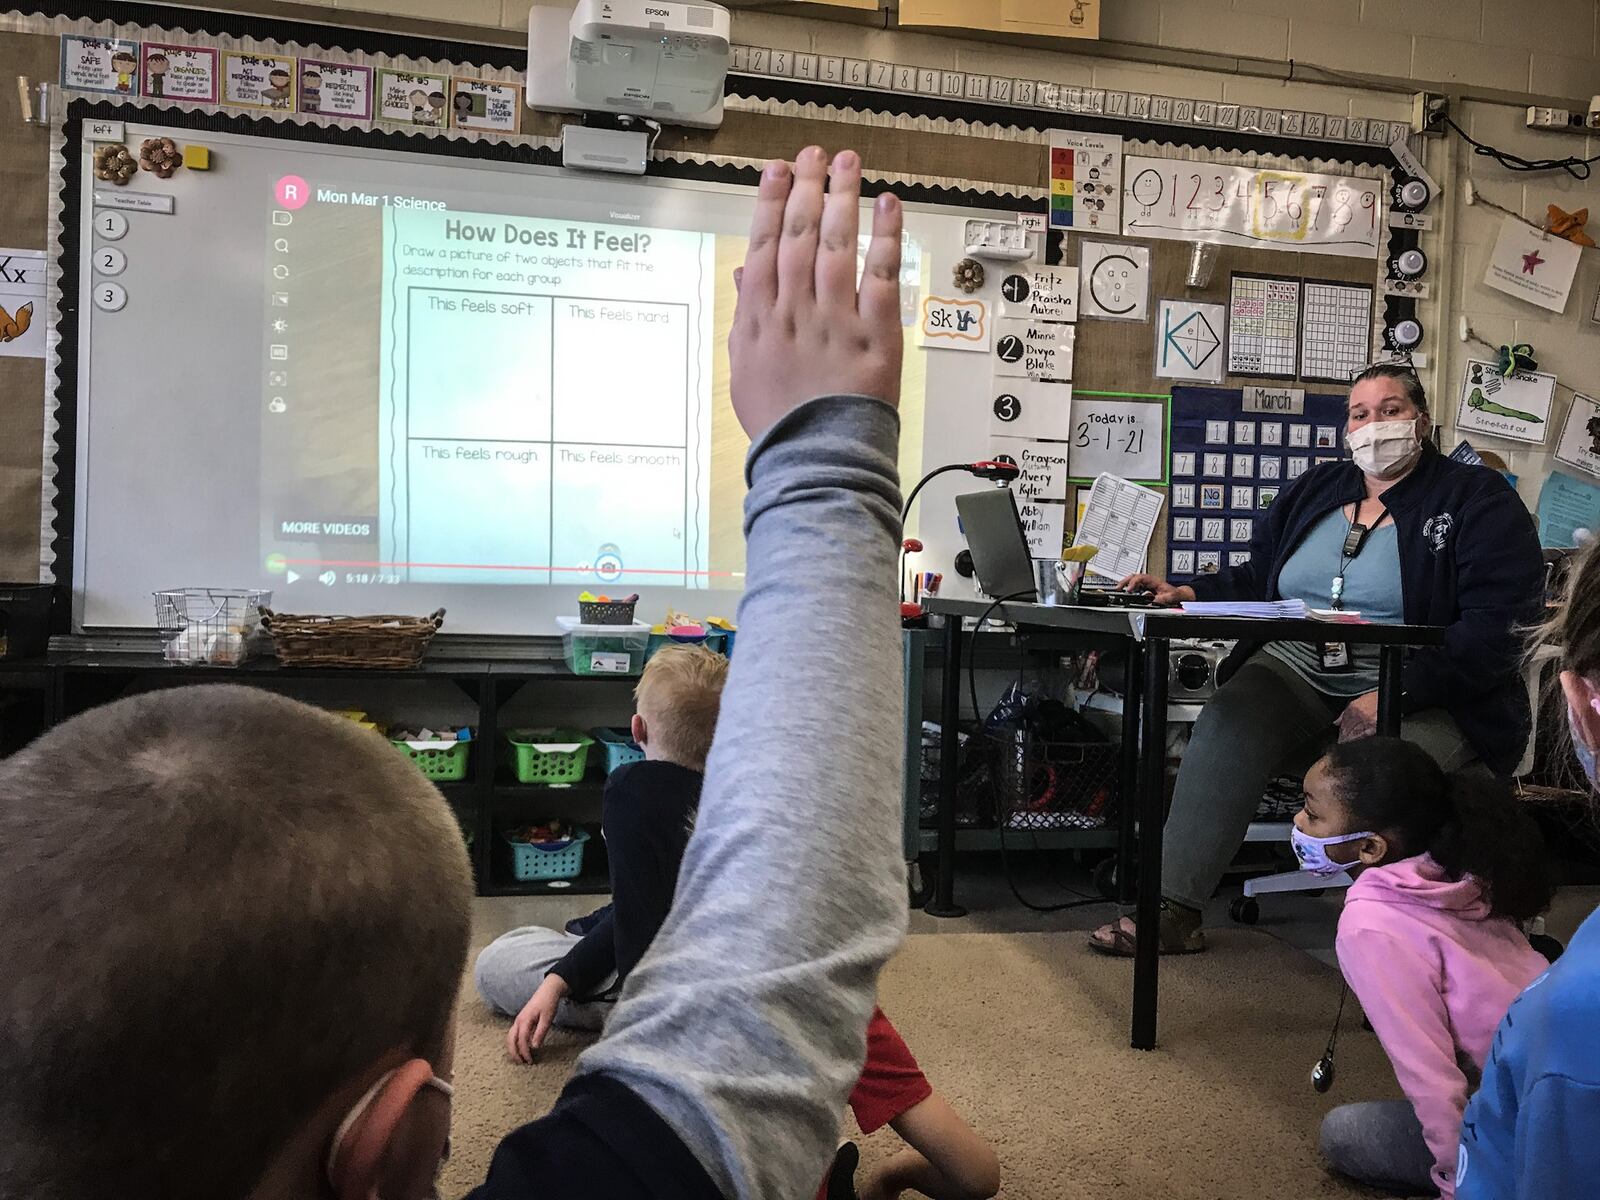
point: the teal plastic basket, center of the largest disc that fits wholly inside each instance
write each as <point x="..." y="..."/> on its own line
<point x="530" y="862"/>
<point x="619" y="747"/>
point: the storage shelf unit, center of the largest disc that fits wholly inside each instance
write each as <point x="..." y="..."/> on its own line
<point x="486" y="803"/>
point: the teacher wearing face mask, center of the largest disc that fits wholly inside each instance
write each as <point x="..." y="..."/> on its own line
<point x="1400" y="534"/>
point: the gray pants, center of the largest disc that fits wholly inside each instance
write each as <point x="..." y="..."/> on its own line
<point x="512" y="967"/>
<point x="1379" y="1143"/>
<point x="1263" y="722"/>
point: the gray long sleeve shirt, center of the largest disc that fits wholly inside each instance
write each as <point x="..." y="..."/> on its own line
<point x="743" y="1027"/>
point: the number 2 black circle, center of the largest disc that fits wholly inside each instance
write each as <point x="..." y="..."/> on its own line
<point x="1009" y="348"/>
<point x="1007" y="407"/>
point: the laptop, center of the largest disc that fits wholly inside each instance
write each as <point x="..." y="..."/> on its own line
<point x="1000" y="557"/>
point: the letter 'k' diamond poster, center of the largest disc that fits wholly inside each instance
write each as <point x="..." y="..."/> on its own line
<point x="1189" y="341"/>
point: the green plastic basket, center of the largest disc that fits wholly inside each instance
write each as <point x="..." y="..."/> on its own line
<point x="533" y="760"/>
<point x="440" y="764"/>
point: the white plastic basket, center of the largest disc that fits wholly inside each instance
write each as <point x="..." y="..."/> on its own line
<point x="220" y="626"/>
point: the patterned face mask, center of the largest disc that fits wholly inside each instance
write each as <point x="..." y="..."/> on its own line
<point x="1313" y="852"/>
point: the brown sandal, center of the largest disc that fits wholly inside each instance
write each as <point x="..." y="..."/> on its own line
<point x="1174" y="934"/>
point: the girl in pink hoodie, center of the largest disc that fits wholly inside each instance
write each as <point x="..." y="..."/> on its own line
<point x="1445" y="867"/>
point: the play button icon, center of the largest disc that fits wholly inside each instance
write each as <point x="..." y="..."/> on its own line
<point x="291" y="577"/>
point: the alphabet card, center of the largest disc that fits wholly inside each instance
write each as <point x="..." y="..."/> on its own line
<point x="411" y="99"/>
<point x="1114" y="281"/>
<point x="951" y="324"/>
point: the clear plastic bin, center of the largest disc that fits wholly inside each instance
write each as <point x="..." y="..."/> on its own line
<point x="604" y="649"/>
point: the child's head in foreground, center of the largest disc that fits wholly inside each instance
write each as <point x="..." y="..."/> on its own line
<point x="676" y="703"/>
<point x="1377" y="800"/>
<point x="225" y="919"/>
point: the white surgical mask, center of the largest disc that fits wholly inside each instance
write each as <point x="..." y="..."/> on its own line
<point x="1384" y="449"/>
<point x="1313" y="852"/>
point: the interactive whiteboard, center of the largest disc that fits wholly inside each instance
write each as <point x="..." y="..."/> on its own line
<point x="388" y="381"/>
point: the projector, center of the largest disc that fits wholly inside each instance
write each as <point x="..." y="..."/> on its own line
<point x="659" y="59"/>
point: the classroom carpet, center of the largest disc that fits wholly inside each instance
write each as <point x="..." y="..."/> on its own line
<point x="1026" y="1034"/>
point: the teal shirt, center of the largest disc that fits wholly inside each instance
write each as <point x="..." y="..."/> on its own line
<point x="1371" y="588"/>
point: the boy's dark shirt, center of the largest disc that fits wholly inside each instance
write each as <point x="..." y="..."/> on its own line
<point x="647" y="818"/>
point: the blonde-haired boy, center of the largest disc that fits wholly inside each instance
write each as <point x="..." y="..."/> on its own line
<point x="546" y="976"/>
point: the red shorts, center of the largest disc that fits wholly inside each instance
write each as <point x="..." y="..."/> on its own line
<point x="891" y="1083"/>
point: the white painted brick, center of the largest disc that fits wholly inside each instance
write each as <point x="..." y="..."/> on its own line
<point x="1212" y="25"/>
<point x="1276" y="94"/>
<point x="1563" y="26"/>
<point x="1442" y="18"/>
<point x="464" y="12"/>
<point x="1349" y="48"/>
<point x="1131" y="21"/>
<point x="1446" y="60"/>
<point x="1341" y="11"/>
<point x="1164" y="81"/>
<point x="1575" y="79"/>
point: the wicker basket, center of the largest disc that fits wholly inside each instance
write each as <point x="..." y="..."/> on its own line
<point x="386" y="642"/>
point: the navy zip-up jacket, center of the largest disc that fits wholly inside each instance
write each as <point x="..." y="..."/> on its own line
<point x="1469" y="561"/>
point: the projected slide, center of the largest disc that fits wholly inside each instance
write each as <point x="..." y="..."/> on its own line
<point x="544" y="401"/>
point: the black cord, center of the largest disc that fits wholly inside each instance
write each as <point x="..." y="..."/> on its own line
<point x="1333" y="1035"/>
<point x="906" y="508"/>
<point x="1578" y="168"/>
<point x="972" y="688"/>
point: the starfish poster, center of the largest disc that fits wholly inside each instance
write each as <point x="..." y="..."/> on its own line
<point x="1532" y="265"/>
<point x="1189" y="341"/>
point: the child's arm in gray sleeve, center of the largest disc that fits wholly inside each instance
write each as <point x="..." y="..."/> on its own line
<point x="744" y="1025"/>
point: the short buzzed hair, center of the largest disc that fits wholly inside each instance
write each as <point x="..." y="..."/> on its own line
<point x="679" y="696"/>
<point x="217" y="907"/>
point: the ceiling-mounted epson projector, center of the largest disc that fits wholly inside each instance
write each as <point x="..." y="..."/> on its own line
<point x="661" y="59"/>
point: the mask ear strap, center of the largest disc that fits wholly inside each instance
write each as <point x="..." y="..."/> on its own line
<point x="354" y="1160"/>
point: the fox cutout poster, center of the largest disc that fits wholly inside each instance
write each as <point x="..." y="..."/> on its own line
<point x="22" y="328"/>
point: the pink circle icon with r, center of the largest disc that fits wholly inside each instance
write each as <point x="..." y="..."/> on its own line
<point x="292" y="192"/>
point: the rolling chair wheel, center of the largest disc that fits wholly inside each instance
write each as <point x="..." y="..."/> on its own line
<point x="1244" y="910"/>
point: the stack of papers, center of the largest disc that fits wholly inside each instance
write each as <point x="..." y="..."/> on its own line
<point x="1257" y="609"/>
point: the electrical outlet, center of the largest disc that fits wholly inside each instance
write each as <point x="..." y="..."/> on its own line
<point x="1428" y="110"/>
<point x="1540" y="117"/>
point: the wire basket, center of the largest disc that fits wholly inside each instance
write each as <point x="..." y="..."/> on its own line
<point x="210" y="625"/>
<point x="606" y="612"/>
<point x="976" y="799"/>
<point x="384" y="642"/>
<point x="1056" y="784"/>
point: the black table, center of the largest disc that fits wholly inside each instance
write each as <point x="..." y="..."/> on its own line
<point x="1147" y="635"/>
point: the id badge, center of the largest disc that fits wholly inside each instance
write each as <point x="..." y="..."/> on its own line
<point x="1335" y="656"/>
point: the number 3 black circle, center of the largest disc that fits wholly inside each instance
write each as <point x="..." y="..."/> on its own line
<point x="1007" y="407"/>
<point x="1009" y="348"/>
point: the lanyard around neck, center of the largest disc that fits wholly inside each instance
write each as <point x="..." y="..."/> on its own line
<point x="1354" y="539"/>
